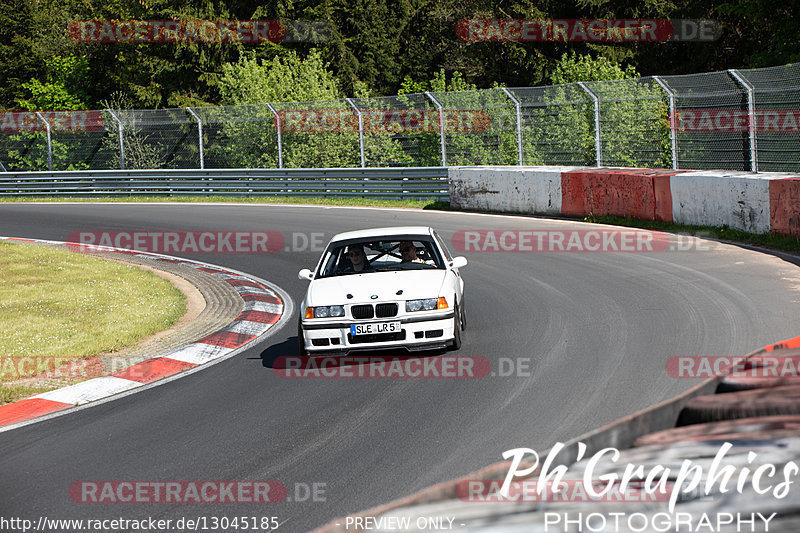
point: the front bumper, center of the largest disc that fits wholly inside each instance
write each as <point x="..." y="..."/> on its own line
<point x="426" y="331"/>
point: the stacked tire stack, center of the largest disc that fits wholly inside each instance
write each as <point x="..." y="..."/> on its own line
<point x="756" y="409"/>
<point x="759" y="400"/>
<point x="752" y="419"/>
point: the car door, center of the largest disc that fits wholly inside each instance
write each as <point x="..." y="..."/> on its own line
<point x="454" y="279"/>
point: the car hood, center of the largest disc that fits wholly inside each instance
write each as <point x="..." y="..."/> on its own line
<point x="414" y="284"/>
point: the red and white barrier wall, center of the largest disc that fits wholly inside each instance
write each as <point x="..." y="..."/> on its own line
<point x="756" y="203"/>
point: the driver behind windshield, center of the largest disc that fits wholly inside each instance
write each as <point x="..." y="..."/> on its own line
<point x="358" y="259"/>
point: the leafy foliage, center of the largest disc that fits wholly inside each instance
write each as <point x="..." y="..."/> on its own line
<point x="64" y="88"/>
<point x="368" y="48"/>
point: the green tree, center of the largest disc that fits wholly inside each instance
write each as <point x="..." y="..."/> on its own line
<point x="574" y="67"/>
<point x="291" y="78"/>
<point x="769" y="30"/>
<point x="295" y="84"/>
<point x="560" y="122"/>
<point x="64" y="88"/>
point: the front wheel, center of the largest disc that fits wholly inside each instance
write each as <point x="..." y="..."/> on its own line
<point x="301" y="339"/>
<point x="457" y="330"/>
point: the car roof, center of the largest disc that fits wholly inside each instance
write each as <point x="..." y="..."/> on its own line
<point x="383" y="232"/>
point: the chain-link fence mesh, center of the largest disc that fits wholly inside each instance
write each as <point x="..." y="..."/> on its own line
<point x="319" y="134"/>
<point x="243" y="136"/>
<point x="400" y="131"/>
<point x="156" y="138"/>
<point x="78" y="140"/>
<point x="708" y="107"/>
<point x="634" y="123"/>
<point x="777" y="116"/>
<point x="732" y="120"/>
<point x="557" y="125"/>
<point x="479" y="127"/>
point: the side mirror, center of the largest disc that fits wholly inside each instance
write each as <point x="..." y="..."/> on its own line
<point x="459" y="261"/>
<point x="305" y="274"/>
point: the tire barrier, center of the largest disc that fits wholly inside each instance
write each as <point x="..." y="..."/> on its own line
<point x="759" y="428"/>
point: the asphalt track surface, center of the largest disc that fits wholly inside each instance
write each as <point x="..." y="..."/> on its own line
<point x="595" y="328"/>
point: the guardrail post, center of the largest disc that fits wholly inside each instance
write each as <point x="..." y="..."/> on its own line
<point x="121" y="142"/>
<point x="598" y="147"/>
<point x="673" y="120"/>
<point x="360" y="131"/>
<point x="751" y="114"/>
<point x="520" y="154"/>
<point x="278" y="128"/>
<point x="441" y="126"/>
<point x="200" y="135"/>
<point x="49" y="143"/>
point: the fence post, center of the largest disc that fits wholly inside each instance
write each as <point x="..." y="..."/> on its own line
<point x="597" y="143"/>
<point x="673" y="122"/>
<point x="520" y="154"/>
<point x="278" y="128"/>
<point x="751" y="115"/>
<point x="121" y="143"/>
<point x="49" y="143"/>
<point x="360" y="131"/>
<point x="441" y="126"/>
<point x="199" y="134"/>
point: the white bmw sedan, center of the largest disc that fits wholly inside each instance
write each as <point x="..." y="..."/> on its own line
<point x="383" y="288"/>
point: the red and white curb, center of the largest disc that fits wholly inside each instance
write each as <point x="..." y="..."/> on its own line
<point x="265" y="306"/>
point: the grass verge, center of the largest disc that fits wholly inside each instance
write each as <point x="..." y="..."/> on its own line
<point x="59" y="307"/>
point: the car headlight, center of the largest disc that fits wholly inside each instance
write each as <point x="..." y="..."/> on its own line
<point x="426" y="304"/>
<point x="324" y="311"/>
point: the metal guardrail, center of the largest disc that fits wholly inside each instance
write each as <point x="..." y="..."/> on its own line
<point x="421" y="183"/>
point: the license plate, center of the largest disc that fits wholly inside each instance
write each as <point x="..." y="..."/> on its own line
<point x="371" y="329"/>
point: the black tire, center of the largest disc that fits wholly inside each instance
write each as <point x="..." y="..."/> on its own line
<point x="463" y="316"/>
<point x="744" y="404"/>
<point x="301" y="340"/>
<point x="740" y="383"/>
<point x="760" y="428"/>
<point x="457" y="329"/>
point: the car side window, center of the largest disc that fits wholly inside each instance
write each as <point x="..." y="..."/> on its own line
<point x="441" y="244"/>
<point x="328" y="265"/>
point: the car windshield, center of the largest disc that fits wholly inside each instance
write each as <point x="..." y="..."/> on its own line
<point x="371" y="255"/>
